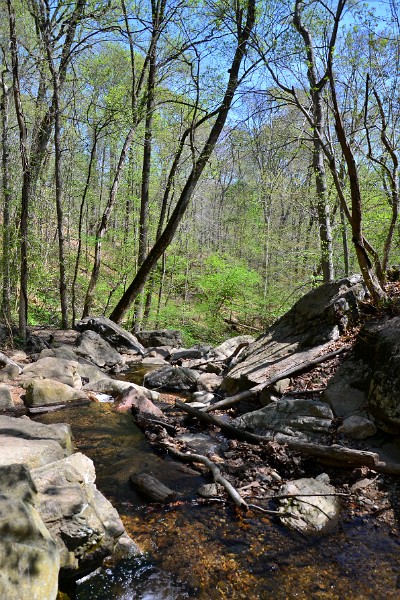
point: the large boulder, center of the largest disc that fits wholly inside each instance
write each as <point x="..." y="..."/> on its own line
<point x="115" y="387"/>
<point x="29" y="556"/>
<point x="160" y="337"/>
<point x="311" y="505"/>
<point x="291" y="416"/>
<point x="172" y="378"/>
<point x="50" y="367"/>
<point x="65" y="352"/>
<point x="92" y="346"/>
<point x="83" y="523"/>
<point x="113" y="333"/>
<point x="26" y="442"/>
<point x="367" y="383"/>
<point x="43" y="392"/>
<point x="302" y="334"/>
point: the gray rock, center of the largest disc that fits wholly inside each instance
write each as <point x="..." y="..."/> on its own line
<point x="311" y="513"/>
<point x="357" y="427"/>
<point x="208" y="490"/>
<point x="134" y="400"/>
<point x="203" y="397"/>
<point x="65" y="352"/>
<point x="290" y="416"/>
<point x="92" y="346"/>
<point x="209" y="382"/>
<point x="160" y="337"/>
<point x="83" y="523"/>
<point x="32" y="453"/>
<point x="66" y="371"/>
<point x="113" y="333"/>
<point x="346" y="392"/>
<point x="186" y="354"/>
<point x="117" y="386"/>
<point x="25" y="428"/>
<point x="200" y="443"/>
<point x="303" y="333"/>
<point x="29" y="557"/>
<point x="159" y="351"/>
<point x="172" y="378"/>
<point x="368" y="381"/>
<point x="6" y="400"/>
<point x="227" y="348"/>
<point x="43" y="392"/>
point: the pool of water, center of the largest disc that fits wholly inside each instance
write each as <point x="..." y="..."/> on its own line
<point x="212" y="551"/>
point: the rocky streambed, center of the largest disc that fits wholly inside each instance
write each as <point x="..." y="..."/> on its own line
<point x="279" y="470"/>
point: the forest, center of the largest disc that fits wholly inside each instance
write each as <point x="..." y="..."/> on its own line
<point x="196" y="165"/>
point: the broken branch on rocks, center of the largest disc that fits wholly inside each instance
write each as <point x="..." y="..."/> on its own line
<point x="304" y="366"/>
<point x="215" y="471"/>
<point x="334" y="455"/>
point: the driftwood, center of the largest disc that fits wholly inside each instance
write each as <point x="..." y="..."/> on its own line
<point x="46" y="408"/>
<point x="152" y="488"/>
<point x="5" y="361"/>
<point x="215" y="471"/>
<point x="304" y="366"/>
<point x="334" y="455"/>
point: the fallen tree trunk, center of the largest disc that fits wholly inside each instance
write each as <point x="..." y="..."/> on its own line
<point x="232" y="400"/>
<point x="334" y="455"/>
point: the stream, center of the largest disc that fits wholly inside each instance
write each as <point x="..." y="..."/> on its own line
<point x="212" y="551"/>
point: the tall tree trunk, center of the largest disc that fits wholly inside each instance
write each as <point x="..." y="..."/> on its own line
<point x="316" y="89"/>
<point x="136" y="286"/>
<point x="59" y="203"/>
<point x="103" y="227"/>
<point x="26" y="178"/>
<point x="370" y="279"/>
<point x="6" y="188"/>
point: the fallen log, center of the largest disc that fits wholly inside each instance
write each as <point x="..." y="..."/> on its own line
<point x="334" y="455"/>
<point x="304" y="366"/>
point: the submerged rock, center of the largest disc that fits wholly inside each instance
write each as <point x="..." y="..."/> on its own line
<point x="310" y="509"/>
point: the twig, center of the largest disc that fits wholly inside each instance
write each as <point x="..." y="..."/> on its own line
<point x="215" y="471"/>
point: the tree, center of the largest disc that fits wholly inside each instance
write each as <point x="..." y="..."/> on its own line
<point x="244" y="24"/>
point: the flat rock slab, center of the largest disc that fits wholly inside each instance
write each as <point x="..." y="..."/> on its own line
<point x="302" y="334"/>
<point x="291" y="416"/>
<point x="25" y="428"/>
<point x="32" y="453"/>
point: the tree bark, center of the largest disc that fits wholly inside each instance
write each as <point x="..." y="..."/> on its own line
<point x="6" y="187"/>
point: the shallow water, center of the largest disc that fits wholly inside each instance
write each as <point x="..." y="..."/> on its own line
<point x="212" y="551"/>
